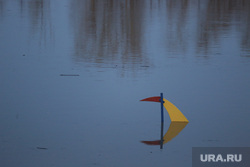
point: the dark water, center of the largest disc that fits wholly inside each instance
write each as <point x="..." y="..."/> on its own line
<point x="72" y="74"/>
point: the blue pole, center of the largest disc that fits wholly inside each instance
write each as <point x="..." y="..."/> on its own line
<point x="162" y="118"/>
<point x="162" y="121"/>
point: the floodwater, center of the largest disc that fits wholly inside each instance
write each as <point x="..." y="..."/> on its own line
<point x="72" y="74"/>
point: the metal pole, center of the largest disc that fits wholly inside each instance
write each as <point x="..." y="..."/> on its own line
<point x="162" y="121"/>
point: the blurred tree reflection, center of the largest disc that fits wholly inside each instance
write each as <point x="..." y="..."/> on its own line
<point x="40" y="17"/>
<point x="115" y="29"/>
<point x="38" y="14"/>
<point x="1" y="7"/>
<point x="217" y="18"/>
<point x="108" y="30"/>
<point x="131" y="32"/>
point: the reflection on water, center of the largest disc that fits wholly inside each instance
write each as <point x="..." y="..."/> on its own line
<point x="217" y="19"/>
<point x="39" y="13"/>
<point x="33" y="20"/>
<point x="108" y="31"/>
<point x="174" y="129"/>
<point x="129" y="32"/>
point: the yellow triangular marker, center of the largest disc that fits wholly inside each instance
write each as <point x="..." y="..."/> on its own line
<point x="174" y="113"/>
<point x="178" y="121"/>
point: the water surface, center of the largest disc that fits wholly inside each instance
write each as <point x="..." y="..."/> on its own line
<point x="73" y="72"/>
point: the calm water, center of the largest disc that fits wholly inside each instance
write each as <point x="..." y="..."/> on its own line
<point x="72" y="74"/>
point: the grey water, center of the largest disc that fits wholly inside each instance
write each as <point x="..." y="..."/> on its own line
<point x="72" y="74"/>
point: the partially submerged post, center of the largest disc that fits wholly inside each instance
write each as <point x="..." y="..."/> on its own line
<point x="178" y="120"/>
<point x="162" y="120"/>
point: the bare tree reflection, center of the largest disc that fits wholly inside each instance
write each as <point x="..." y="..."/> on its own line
<point x="40" y="17"/>
<point x="217" y="18"/>
<point x="108" y="31"/>
<point x="2" y="4"/>
<point x="38" y="13"/>
<point x="116" y="31"/>
<point x="177" y="17"/>
<point x="244" y="18"/>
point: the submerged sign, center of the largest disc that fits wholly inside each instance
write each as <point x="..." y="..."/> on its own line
<point x="221" y="156"/>
<point x="178" y="121"/>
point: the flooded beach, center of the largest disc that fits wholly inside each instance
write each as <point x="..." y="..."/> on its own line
<point x="72" y="74"/>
